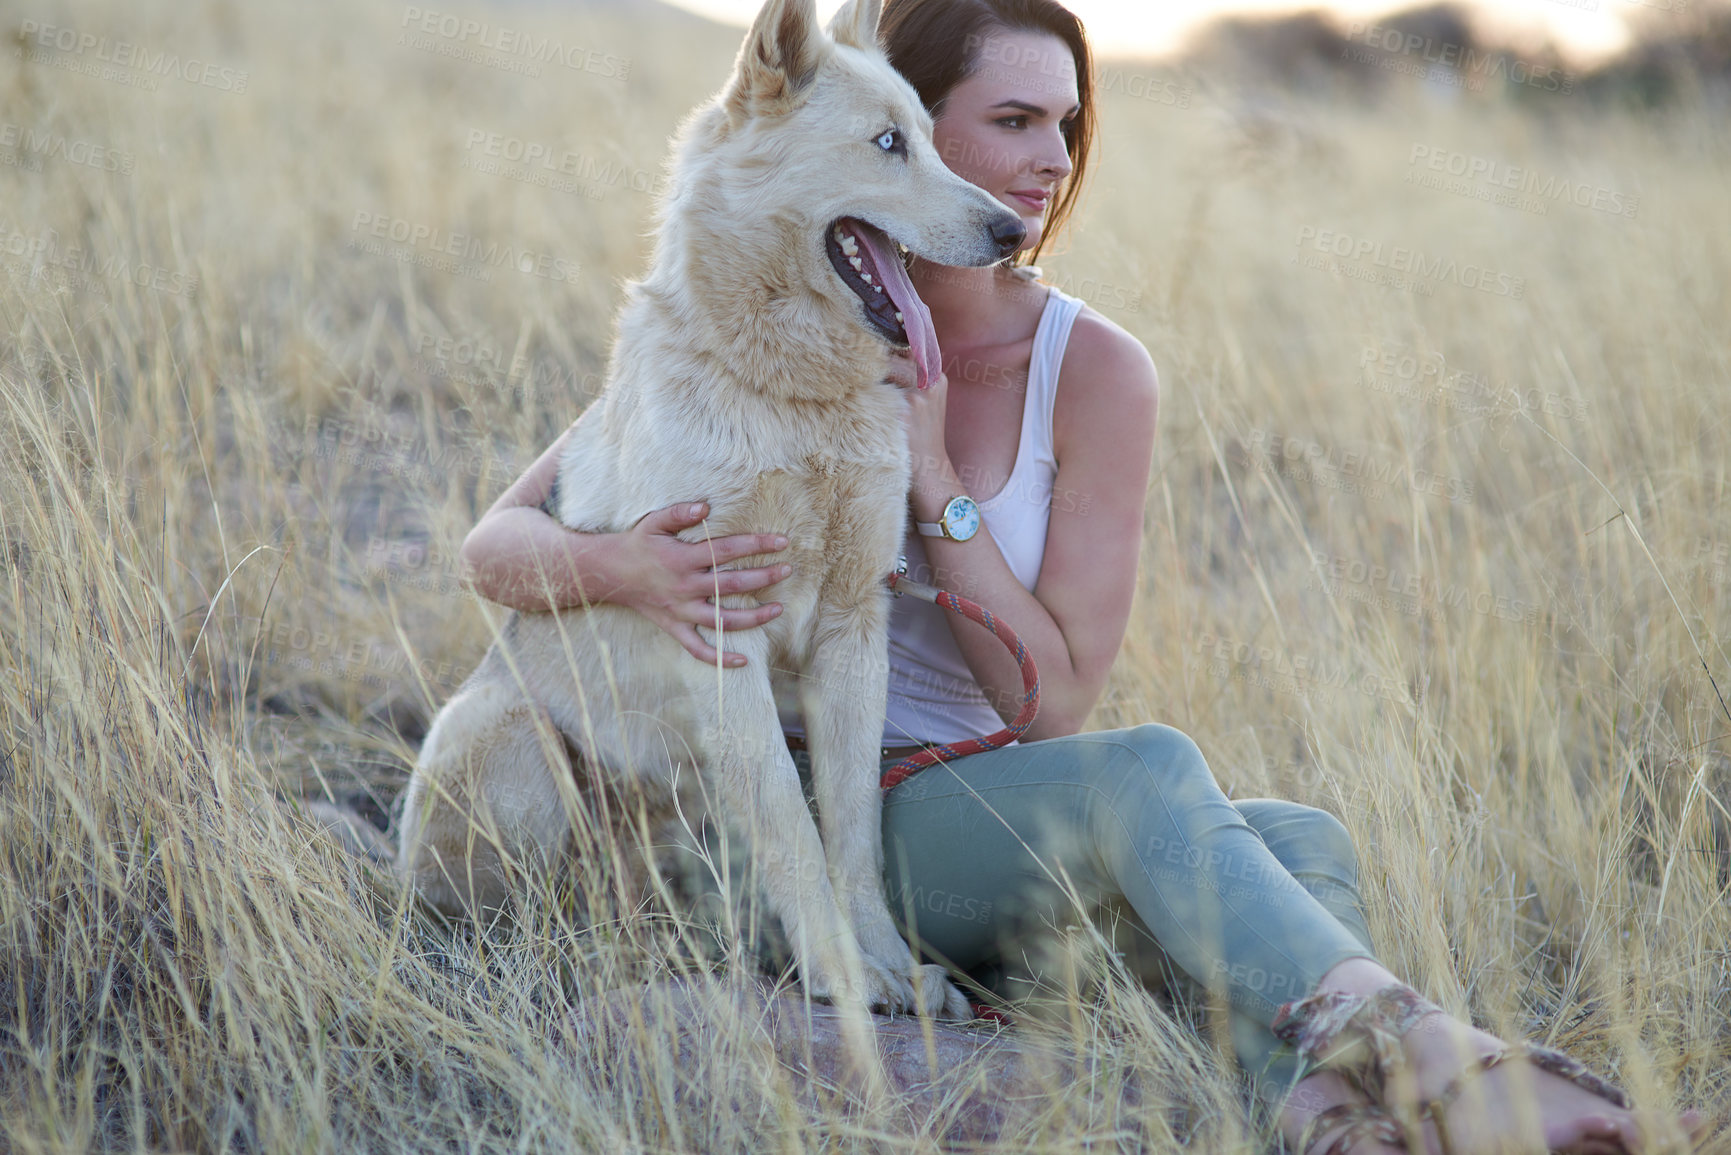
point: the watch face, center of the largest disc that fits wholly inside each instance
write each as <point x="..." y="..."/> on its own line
<point x="962" y="518"/>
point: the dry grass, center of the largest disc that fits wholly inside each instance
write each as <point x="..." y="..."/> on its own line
<point x="230" y="519"/>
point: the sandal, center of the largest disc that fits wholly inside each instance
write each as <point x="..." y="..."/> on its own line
<point x="1362" y="1121"/>
<point x="1543" y="1058"/>
<point x="1336" y="1029"/>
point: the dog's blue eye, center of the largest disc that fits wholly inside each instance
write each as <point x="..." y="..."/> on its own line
<point x="891" y="142"/>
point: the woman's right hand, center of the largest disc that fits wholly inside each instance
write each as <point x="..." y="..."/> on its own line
<point x="674" y="583"/>
<point x="520" y="557"/>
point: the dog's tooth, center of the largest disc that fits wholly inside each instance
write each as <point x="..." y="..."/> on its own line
<point x="867" y="278"/>
<point x="898" y="316"/>
<point x="858" y="266"/>
<point x="849" y="245"/>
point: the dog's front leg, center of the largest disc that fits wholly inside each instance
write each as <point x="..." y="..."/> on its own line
<point x="753" y="780"/>
<point x="845" y="694"/>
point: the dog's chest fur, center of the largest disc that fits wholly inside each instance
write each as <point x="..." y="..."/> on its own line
<point x="843" y="521"/>
<point x="831" y="475"/>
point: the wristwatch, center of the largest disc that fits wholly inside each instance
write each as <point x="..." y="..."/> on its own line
<point x="961" y="521"/>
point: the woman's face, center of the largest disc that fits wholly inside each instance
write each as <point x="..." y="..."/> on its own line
<point x="1003" y="128"/>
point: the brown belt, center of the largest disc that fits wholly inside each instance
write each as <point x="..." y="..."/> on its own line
<point x="797" y="743"/>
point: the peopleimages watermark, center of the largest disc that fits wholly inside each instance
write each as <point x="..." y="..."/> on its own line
<point x="1282" y="672"/>
<point x="365" y="661"/>
<point x="483" y="363"/>
<point x="370" y="447"/>
<point x="1052" y="70"/>
<point x="1461" y="65"/>
<point x="560" y="170"/>
<point x="1511" y="186"/>
<point x="120" y="61"/>
<point x="1415" y="375"/>
<point x="1349" y="471"/>
<point x="1034" y="491"/>
<point x="462" y="253"/>
<point x="965" y="154"/>
<point x="502" y="47"/>
<point x="948" y="903"/>
<point x="978" y="371"/>
<point x="927" y="691"/>
<point x="1036" y="58"/>
<point x="42" y="256"/>
<point x="1435" y="73"/>
<point x="29" y="147"/>
<point x="1237" y="876"/>
<point x="1052" y="86"/>
<point x="1353" y="579"/>
<point x="1715" y="556"/>
<point x="1166" y="90"/>
<point x="1400" y="266"/>
<point x="417" y="565"/>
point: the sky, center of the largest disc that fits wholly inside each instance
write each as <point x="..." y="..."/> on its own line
<point x="1588" y="30"/>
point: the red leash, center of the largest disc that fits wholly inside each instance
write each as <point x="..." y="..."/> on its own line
<point x="956" y="604"/>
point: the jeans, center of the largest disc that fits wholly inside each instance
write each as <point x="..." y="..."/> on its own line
<point x="1258" y="897"/>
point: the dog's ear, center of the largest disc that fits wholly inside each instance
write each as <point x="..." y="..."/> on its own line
<point x="856" y="24"/>
<point x="778" y="59"/>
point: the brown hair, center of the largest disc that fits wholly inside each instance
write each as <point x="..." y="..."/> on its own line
<point x="936" y="45"/>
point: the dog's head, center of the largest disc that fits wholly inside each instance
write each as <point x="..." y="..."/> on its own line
<point x="830" y="163"/>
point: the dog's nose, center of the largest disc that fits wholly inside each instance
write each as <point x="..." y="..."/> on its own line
<point x="1008" y="233"/>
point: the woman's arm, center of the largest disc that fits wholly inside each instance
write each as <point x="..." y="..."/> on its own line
<point x="520" y="557"/>
<point x="1074" y="620"/>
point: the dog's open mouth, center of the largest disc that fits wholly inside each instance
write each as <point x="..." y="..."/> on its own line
<point x="870" y="264"/>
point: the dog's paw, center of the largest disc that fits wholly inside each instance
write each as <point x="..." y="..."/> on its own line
<point x="879" y="989"/>
<point x="928" y="988"/>
<point x="889" y="990"/>
<point x="939" y="997"/>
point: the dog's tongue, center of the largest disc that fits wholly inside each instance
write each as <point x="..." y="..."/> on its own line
<point x="916" y="318"/>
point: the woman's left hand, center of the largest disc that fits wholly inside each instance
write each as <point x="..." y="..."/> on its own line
<point x="934" y="477"/>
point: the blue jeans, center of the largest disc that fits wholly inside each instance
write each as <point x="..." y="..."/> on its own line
<point x="1257" y="897"/>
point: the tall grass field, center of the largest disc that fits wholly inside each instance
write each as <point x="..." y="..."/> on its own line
<point x="1439" y="539"/>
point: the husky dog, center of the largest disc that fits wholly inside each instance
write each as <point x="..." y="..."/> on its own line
<point x="748" y="371"/>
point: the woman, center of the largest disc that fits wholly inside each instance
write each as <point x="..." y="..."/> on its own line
<point x="1045" y="415"/>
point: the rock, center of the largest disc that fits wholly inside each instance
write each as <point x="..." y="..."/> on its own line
<point x="955" y="1082"/>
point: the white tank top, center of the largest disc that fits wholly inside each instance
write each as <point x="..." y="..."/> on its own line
<point x="933" y="696"/>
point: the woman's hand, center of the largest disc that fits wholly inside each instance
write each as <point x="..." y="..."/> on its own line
<point x="934" y="479"/>
<point x="518" y="556"/>
<point x="674" y="583"/>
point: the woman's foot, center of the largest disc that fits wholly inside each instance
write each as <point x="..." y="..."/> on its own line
<point x="1324" y="1115"/>
<point x="1483" y="1109"/>
<point x="1516" y="1104"/>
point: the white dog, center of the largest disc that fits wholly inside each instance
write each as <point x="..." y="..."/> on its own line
<point x="748" y="372"/>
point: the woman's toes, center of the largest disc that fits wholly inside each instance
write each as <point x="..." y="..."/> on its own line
<point x="1583" y="1134"/>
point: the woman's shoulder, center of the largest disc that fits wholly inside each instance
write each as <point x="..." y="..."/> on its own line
<point x="1106" y="374"/>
